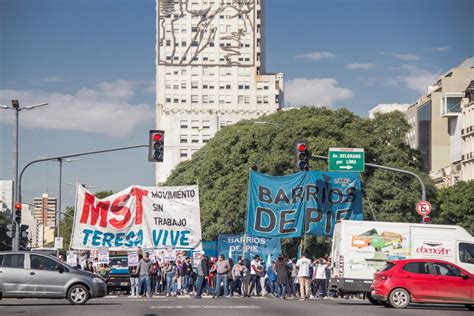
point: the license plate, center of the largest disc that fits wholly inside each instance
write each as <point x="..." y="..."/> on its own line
<point x="124" y="284"/>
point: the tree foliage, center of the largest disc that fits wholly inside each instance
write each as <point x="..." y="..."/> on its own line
<point x="456" y="205"/>
<point x="221" y="167"/>
<point x="5" y="241"/>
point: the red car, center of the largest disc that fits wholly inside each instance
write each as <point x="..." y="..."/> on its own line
<point x="402" y="282"/>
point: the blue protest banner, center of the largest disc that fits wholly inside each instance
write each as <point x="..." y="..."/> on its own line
<point x="210" y="248"/>
<point x="283" y="206"/>
<point x="232" y="246"/>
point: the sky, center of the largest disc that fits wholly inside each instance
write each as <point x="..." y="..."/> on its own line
<point x="93" y="61"/>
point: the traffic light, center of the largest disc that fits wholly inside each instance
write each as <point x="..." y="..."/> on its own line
<point x="18" y="213"/>
<point x="24" y="237"/>
<point x="301" y="155"/>
<point x="426" y="219"/>
<point x="156" y="147"/>
<point x="11" y="230"/>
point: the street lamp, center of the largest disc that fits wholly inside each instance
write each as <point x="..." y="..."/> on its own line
<point x="16" y="107"/>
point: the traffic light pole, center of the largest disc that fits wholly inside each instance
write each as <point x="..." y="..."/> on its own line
<point x="423" y="189"/>
<point x="18" y="196"/>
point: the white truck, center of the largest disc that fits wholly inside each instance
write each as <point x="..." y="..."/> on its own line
<point x="360" y="248"/>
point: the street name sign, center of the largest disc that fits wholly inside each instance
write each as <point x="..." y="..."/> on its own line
<point x="346" y="159"/>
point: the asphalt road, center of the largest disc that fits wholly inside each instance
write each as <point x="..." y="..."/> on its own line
<point x="161" y="306"/>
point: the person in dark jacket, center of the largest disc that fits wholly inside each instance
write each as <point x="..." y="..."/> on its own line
<point x="202" y="270"/>
<point x="281" y="270"/>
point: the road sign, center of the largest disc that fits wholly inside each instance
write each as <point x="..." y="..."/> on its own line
<point x="58" y="242"/>
<point x="423" y="208"/>
<point x="346" y="159"/>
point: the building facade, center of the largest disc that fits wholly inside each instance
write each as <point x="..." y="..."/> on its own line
<point x="210" y="61"/>
<point x="45" y="210"/>
<point x="34" y="227"/>
<point x="436" y="121"/>
<point x="6" y="196"/>
<point x="467" y="134"/>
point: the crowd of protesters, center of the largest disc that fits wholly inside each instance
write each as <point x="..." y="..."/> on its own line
<point x="282" y="278"/>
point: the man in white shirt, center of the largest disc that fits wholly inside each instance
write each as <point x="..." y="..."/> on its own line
<point x="320" y="278"/>
<point x="256" y="271"/>
<point x="303" y="275"/>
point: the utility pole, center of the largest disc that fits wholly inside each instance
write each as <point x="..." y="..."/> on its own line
<point x="16" y="107"/>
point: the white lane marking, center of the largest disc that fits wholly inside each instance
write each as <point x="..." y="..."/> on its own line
<point x="206" y="307"/>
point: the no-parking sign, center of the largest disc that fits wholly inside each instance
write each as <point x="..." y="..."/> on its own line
<point x="423" y="208"/>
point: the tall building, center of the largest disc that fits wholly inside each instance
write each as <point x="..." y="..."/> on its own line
<point x="467" y="134"/>
<point x="6" y="196"/>
<point x="45" y="210"/>
<point x="35" y="229"/>
<point x="210" y="60"/>
<point x="436" y="121"/>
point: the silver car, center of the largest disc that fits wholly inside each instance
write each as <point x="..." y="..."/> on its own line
<point x="27" y="274"/>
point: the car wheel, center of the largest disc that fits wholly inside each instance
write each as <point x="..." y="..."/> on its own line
<point x="78" y="294"/>
<point x="399" y="298"/>
<point x="470" y="307"/>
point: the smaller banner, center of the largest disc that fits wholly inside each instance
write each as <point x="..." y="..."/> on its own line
<point x="103" y="256"/>
<point x="210" y="248"/>
<point x="309" y="202"/>
<point x="71" y="258"/>
<point x="133" y="259"/>
<point x="232" y="246"/>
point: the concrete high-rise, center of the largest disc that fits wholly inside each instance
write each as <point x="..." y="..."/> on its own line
<point x="45" y="210"/>
<point x="441" y="123"/>
<point x="210" y="61"/>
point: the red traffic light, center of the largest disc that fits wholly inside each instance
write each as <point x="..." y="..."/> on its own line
<point x="157" y="137"/>
<point x="301" y="147"/>
<point x="18" y="206"/>
<point x="426" y="219"/>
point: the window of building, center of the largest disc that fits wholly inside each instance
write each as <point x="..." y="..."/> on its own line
<point x="211" y="99"/>
<point x="259" y="99"/>
<point x="183" y="84"/>
<point x="206" y="124"/>
<point x="183" y="99"/>
<point x="183" y="153"/>
<point x="168" y="99"/>
<point x="176" y="99"/>
<point x="195" y="124"/>
<point x="424" y="133"/>
<point x="246" y="99"/>
<point x="194" y="84"/>
<point x="194" y="139"/>
<point x="240" y="99"/>
<point x="221" y="99"/>
<point x="265" y="99"/>
<point x="206" y="138"/>
<point x="205" y="84"/>
<point x="194" y="98"/>
<point x="227" y="86"/>
<point x="183" y="43"/>
<point x="168" y="42"/>
<point x="175" y="85"/>
<point x="183" y="124"/>
<point x="167" y="84"/>
<point x="205" y="99"/>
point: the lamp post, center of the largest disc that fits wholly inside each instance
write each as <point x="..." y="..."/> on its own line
<point x="16" y="107"/>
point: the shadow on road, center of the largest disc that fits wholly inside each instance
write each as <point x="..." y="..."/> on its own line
<point x="58" y="304"/>
<point x="454" y="308"/>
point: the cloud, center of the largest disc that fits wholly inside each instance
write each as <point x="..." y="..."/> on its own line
<point x="356" y="66"/>
<point x="324" y="92"/>
<point x="440" y="49"/>
<point x="316" y="55"/>
<point x="51" y="79"/>
<point x="104" y="109"/>
<point x="404" y="57"/>
<point x="417" y="78"/>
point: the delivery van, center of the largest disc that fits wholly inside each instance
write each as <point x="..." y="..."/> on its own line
<point x="361" y="248"/>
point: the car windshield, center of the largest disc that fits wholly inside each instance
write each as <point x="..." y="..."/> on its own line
<point x="118" y="262"/>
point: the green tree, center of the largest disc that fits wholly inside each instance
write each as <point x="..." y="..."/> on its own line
<point x="67" y="224"/>
<point x="221" y="167"/>
<point x="5" y="241"/>
<point x="456" y="205"/>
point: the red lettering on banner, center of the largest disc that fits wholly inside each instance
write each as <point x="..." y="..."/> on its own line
<point x="94" y="211"/>
<point x="119" y="209"/>
<point x="139" y="194"/>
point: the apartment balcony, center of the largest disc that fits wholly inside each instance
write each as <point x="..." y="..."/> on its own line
<point x="451" y="104"/>
<point x="467" y="157"/>
<point x="467" y="131"/>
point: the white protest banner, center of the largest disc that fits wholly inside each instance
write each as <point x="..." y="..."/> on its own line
<point x="103" y="256"/>
<point x="71" y="258"/>
<point x="146" y="217"/>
